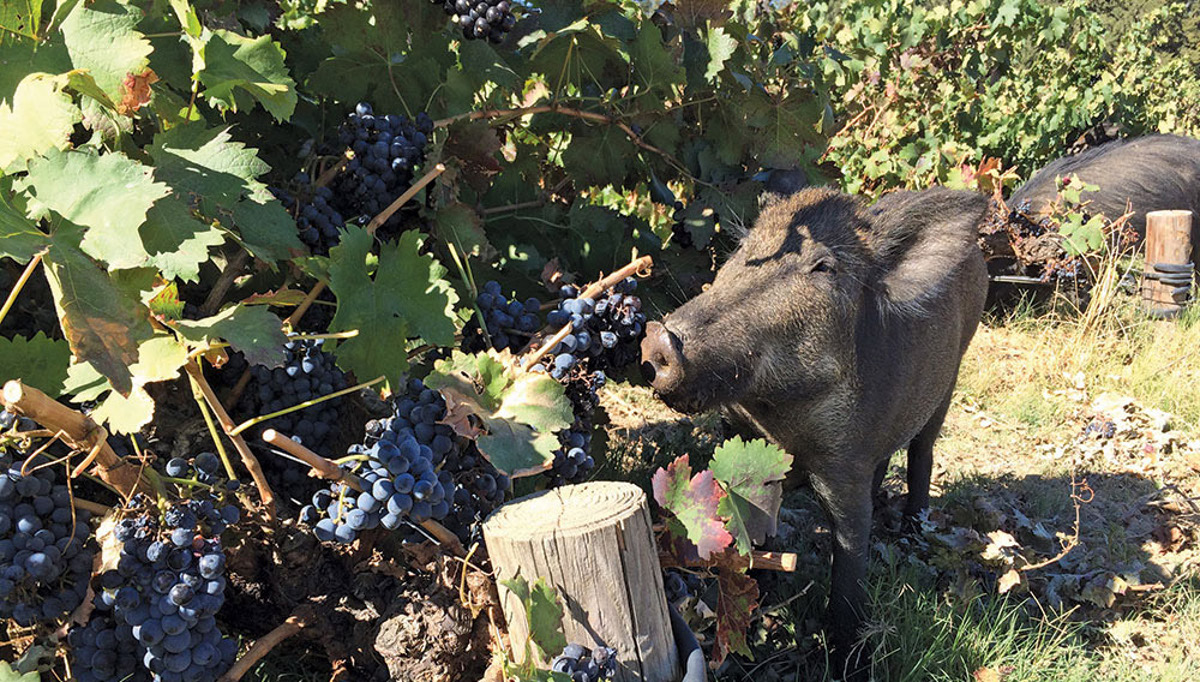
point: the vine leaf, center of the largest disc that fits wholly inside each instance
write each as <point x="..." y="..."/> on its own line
<point x="751" y="475"/>
<point x="206" y="166"/>
<point x="125" y="414"/>
<point x="7" y="674"/>
<point x="239" y="71"/>
<point x="175" y="242"/>
<point x="110" y="195"/>
<point x="19" y="237"/>
<point x="253" y="330"/>
<point x="737" y="598"/>
<point x="693" y="501"/>
<point x="599" y="156"/>
<point x="39" y="361"/>
<point x="102" y="318"/>
<point x="520" y="411"/>
<point x="407" y="297"/>
<point x="543" y="613"/>
<point x="39" y="118"/>
<point x="102" y="37"/>
<point x="458" y="224"/>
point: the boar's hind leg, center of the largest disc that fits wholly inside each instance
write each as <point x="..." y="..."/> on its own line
<point x="920" y="461"/>
<point x="877" y="482"/>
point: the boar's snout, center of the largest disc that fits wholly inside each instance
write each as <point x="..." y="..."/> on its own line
<point x="662" y="360"/>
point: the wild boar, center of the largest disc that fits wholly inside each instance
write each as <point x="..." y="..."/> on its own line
<point x="837" y="331"/>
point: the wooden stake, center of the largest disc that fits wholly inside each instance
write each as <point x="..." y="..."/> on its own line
<point x="79" y="431"/>
<point x="1169" y="243"/>
<point x="248" y="459"/>
<point x="594" y="545"/>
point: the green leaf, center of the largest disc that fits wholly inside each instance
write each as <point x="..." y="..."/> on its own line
<point x="543" y="613"/>
<point x="103" y="320"/>
<point x="693" y="501"/>
<point x="19" y="238"/>
<point x="236" y="67"/>
<point x="40" y="362"/>
<point x="21" y="58"/>
<point x="721" y="47"/>
<point x="175" y="242"/>
<point x="109" y="194"/>
<point x="599" y="156"/>
<point x="21" y="19"/>
<point x="84" y="384"/>
<point x="459" y="224"/>
<point x="751" y="474"/>
<point x="7" y="674"/>
<point x="39" y="118"/>
<point x="102" y="37"/>
<point x="207" y="162"/>
<point x="253" y="330"/>
<point x="654" y="67"/>
<point x="407" y="297"/>
<point x="520" y="411"/>
<point x="207" y="165"/>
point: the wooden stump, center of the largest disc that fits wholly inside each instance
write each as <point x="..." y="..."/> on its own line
<point x="1166" y="282"/>
<point x="594" y="544"/>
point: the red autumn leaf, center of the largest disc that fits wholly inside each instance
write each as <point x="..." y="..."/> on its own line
<point x="135" y="91"/>
<point x="737" y="597"/>
<point x="693" y="500"/>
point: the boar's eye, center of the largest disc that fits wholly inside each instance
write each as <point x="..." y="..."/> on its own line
<point x="823" y="265"/>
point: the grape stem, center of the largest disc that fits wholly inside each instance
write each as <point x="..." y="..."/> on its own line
<point x="198" y="396"/>
<point x="232" y="269"/>
<point x="16" y="290"/>
<point x="301" y="618"/>
<point x="403" y="199"/>
<point x="89" y="506"/>
<point x="79" y="431"/>
<point x="330" y="173"/>
<point x="294" y="318"/>
<point x="196" y="372"/>
<point x="237" y="430"/>
<point x="635" y="267"/>
<point x="329" y="469"/>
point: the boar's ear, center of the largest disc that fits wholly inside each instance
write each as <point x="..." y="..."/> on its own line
<point x="917" y="239"/>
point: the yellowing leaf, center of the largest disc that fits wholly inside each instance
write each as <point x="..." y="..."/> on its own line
<point x="125" y="414"/>
<point x="1009" y="580"/>
<point x="39" y="118"/>
<point x="102" y="37"/>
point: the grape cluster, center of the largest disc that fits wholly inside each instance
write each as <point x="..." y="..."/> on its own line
<point x="572" y="463"/>
<point x="481" y="19"/>
<point x="167" y="588"/>
<point x="387" y="150"/>
<point x="105" y="650"/>
<point x="308" y="372"/>
<point x="586" y="666"/>
<point x="317" y="220"/>
<point x="45" y="550"/>
<point x="510" y="323"/>
<point x="410" y="468"/>
<point x="605" y="331"/>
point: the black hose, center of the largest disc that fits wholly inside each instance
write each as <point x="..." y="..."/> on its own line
<point x="694" y="667"/>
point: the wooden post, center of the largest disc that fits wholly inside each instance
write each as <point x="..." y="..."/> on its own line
<point x="1167" y="279"/>
<point x="594" y="544"/>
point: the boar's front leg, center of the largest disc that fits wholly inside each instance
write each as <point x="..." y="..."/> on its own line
<point x="846" y="495"/>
